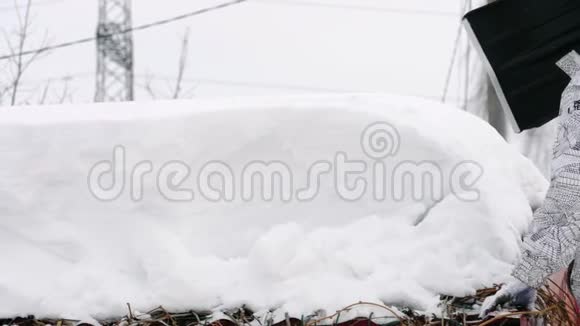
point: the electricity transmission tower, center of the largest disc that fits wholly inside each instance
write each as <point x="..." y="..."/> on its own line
<point x="114" y="52"/>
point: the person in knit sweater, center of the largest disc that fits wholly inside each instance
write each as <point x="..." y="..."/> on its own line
<point x="553" y="242"/>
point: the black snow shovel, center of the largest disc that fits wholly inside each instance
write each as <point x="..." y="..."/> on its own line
<point x="520" y="42"/>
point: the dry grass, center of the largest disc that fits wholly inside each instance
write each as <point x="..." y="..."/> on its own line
<point x="555" y="307"/>
<point x="564" y="311"/>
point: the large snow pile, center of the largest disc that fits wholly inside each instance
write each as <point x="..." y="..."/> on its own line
<point x="67" y="253"/>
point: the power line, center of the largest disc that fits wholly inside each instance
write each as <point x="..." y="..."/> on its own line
<point x="358" y="7"/>
<point x="270" y="85"/>
<point x="221" y="6"/>
<point x="138" y="28"/>
<point x="252" y="84"/>
<point x="236" y="83"/>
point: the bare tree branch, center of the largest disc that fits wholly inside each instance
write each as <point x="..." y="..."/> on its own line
<point x="24" y="24"/>
<point x="182" y="63"/>
<point x="65" y="91"/>
<point x="172" y="88"/>
<point x="149" y="86"/>
<point x="189" y="93"/>
<point x="44" y="93"/>
<point x="19" y="63"/>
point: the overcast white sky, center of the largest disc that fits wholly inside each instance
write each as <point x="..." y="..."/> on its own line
<point x="259" y="47"/>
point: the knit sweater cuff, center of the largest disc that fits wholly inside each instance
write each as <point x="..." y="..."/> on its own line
<point x="530" y="274"/>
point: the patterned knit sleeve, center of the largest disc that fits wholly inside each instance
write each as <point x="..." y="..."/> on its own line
<point x="555" y="233"/>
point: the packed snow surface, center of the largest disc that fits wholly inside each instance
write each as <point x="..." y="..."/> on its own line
<point x="65" y="252"/>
